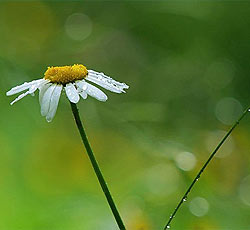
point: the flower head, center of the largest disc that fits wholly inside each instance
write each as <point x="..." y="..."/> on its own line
<point x="74" y="80"/>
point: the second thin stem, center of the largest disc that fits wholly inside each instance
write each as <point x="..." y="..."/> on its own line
<point x="184" y="198"/>
<point x="97" y="168"/>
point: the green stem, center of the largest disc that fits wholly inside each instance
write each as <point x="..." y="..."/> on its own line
<point x="96" y="167"/>
<point x="184" y="198"/>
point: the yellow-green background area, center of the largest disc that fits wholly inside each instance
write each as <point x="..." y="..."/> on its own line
<point x="188" y="67"/>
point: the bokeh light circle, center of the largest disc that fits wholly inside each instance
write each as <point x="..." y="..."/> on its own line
<point x="199" y="206"/>
<point x="228" y="110"/>
<point x="244" y="190"/>
<point x="185" y="161"/>
<point x="78" y="26"/>
<point x="161" y="179"/>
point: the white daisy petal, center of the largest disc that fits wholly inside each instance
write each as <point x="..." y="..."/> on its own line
<point x="23" y="87"/>
<point x="45" y="101"/>
<point x="81" y="85"/>
<point x="43" y="89"/>
<point x="83" y="94"/>
<point x="106" y="82"/>
<point x="81" y="88"/>
<point x="55" y="97"/>
<point x="20" y="97"/>
<point x="72" y="93"/>
<point x="32" y="88"/>
<point x="19" y="88"/>
<point x="42" y="83"/>
<point x="96" y="93"/>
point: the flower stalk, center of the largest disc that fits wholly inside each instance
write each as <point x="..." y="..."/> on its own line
<point x="184" y="198"/>
<point x="96" y="167"/>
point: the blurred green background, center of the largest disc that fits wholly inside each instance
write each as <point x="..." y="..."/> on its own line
<point x="187" y="65"/>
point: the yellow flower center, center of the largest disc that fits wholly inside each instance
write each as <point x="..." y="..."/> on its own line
<point x="66" y="74"/>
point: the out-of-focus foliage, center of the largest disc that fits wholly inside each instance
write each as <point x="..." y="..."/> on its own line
<point x="188" y="67"/>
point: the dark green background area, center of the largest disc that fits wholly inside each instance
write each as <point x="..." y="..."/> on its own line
<point x="187" y="65"/>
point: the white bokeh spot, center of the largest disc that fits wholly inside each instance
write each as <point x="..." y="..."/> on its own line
<point x="78" y="26"/>
<point x="199" y="206"/>
<point x="244" y="190"/>
<point x="228" y="110"/>
<point x="185" y="161"/>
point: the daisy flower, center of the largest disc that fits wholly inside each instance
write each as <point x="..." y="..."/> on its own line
<point x="74" y="80"/>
